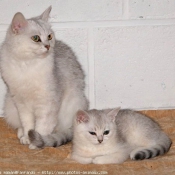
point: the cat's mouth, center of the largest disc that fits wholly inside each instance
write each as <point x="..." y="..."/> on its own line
<point x="99" y="142"/>
<point x="44" y="54"/>
<point x="47" y="50"/>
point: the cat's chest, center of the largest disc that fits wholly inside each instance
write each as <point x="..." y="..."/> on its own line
<point x="97" y="150"/>
<point x="23" y="78"/>
<point x="19" y="77"/>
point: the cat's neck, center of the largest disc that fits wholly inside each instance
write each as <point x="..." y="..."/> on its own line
<point x="86" y="148"/>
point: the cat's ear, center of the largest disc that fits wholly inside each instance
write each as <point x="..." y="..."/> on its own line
<point x="82" y="117"/>
<point x="113" y="113"/>
<point x="45" y="15"/>
<point x="18" y="23"/>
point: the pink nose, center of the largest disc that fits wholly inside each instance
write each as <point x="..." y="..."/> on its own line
<point x="100" y="141"/>
<point x="47" y="47"/>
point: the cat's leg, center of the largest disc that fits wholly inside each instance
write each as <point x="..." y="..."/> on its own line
<point x="27" y="122"/>
<point x="20" y="133"/>
<point x="10" y="112"/>
<point x="18" y="119"/>
<point x="11" y="115"/>
<point x="83" y="160"/>
<point x="46" y="117"/>
<point x="118" y="157"/>
<point x="46" y="121"/>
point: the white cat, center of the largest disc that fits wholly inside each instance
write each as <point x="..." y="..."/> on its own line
<point x="45" y="82"/>
<point x="114" y="135"/>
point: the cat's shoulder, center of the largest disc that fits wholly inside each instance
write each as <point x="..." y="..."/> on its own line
<point x="126" y="112"/>
<point x="62" y="48"/>
<point x="129" y="113"/>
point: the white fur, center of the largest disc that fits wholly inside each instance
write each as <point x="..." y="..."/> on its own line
<point x="43" y="92"/>
<point x="130" y="135"/>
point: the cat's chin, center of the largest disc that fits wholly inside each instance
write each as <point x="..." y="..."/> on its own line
<point x="99" y="143"/>
<point x="44" y="55"/>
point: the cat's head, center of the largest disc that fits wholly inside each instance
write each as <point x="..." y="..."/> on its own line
<point x="96" y="126"/>
<point x="31" y="37"/>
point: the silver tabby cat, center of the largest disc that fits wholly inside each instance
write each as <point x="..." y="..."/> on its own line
<point x="45" y="82"/>
<point x="114" y="135"/>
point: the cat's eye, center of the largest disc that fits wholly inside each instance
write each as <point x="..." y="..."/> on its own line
<point x="106" y="132"/>
<point x="36" y="38"/>
<point x="92" y="133"/>
<point x="50" y="37"/>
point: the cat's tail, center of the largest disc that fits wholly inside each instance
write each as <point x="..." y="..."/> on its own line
<point x="53" y="140"/>
<point x="160" y="148"/>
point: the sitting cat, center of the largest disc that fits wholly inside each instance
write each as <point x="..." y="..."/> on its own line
<point x="114" y="135"/>
<point x="45" y="82"/>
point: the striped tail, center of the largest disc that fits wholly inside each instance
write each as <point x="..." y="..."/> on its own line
<point x="150" y="152"/>
<point x="52" y="140"/>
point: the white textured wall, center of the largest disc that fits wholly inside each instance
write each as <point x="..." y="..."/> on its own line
<point x="126" y="47"/>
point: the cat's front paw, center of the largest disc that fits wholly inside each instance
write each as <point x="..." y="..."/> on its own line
<point x="98" y="160"/>
<point x="82" y="160"/>
<point x="31" y="146"/>
<point x="24" y="140"/>
<point x="110" y="159"/>
<point x="20" y="133"/>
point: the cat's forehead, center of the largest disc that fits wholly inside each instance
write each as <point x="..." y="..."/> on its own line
<point x="97" y="113"/>
<point x="39" y="26"/>
<point x="99" y="118"/>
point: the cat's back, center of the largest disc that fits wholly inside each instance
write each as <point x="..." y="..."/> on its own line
<point x="131" y="119"/>
<point x="66" y="62"/>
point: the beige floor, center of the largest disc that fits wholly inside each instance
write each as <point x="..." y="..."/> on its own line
<point x="18" y="159"/>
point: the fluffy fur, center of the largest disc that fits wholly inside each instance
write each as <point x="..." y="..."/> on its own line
<point x="45" y="82"/>
<point x="112" y="136"/>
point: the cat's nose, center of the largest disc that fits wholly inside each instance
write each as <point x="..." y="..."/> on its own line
<point x="100" y="141"/>
<point x="47" y="47"/>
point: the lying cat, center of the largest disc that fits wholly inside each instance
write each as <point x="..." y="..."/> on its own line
<point x="45" y="82"/>
<point x="112" y="136"/>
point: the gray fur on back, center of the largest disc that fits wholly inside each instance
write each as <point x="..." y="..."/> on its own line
<point x="114" y="135"/>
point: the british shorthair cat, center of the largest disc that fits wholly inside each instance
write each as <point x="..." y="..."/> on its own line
<point x="45" y="82"/>
<point x="114" y="135"/>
